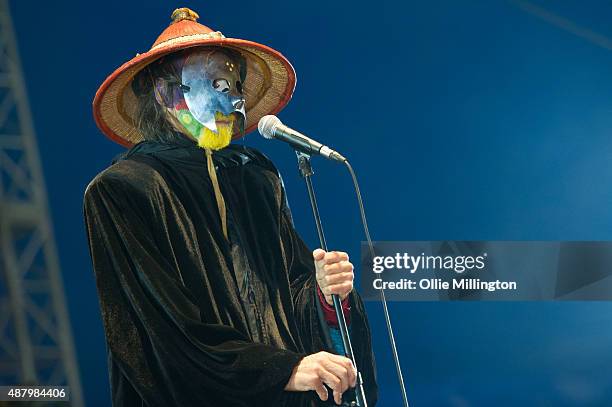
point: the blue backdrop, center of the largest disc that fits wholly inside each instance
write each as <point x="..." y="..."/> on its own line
<point x="463" y="119"/>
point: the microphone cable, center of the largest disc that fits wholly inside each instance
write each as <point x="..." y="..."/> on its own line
<point x="383" y="298"/>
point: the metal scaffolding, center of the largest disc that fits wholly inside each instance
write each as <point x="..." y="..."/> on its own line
<point x="36" y="346"/>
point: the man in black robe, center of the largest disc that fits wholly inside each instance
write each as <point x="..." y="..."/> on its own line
<point x="208" y="295"/>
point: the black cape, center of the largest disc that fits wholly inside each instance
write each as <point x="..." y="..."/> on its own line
<point x="183" y="324"/>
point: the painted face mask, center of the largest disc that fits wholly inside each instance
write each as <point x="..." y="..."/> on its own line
<point x="208" y="103"/>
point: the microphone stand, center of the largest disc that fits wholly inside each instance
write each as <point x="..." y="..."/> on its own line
<point x="306" y="172"/>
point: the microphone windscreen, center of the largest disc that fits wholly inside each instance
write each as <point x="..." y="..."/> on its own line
<point x="267" y="125"/>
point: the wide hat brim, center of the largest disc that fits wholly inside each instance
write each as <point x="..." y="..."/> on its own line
<point x="268" y="86"/>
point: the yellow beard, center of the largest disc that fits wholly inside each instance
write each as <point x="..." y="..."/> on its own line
<point x="223" y="136"/>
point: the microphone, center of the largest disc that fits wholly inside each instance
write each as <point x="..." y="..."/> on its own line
<point x="271" y="127"/>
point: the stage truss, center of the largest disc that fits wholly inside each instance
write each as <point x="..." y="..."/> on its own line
<point x="36" y="346"/>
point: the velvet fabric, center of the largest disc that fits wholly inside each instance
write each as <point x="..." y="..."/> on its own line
<point x="192" y="318"/>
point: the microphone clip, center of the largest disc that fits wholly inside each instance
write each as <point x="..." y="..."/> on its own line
<point x="304" y="164"/>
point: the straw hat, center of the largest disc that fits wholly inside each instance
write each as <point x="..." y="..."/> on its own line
<point x="268" y="85"/>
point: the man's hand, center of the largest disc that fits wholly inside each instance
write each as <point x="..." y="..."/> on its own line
<point x="335" y="371"/>
<point x="334" y="273"/>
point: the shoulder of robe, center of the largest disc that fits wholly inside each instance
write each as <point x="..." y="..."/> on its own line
<point x="125" y="177"/>
<point x="255" y="157"/>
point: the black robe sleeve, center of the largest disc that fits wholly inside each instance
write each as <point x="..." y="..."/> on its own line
<point x="306" y="302"/>
<point x="153" y="326"/>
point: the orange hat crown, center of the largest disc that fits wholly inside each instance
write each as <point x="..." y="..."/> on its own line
<point x="184" y="24"/>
